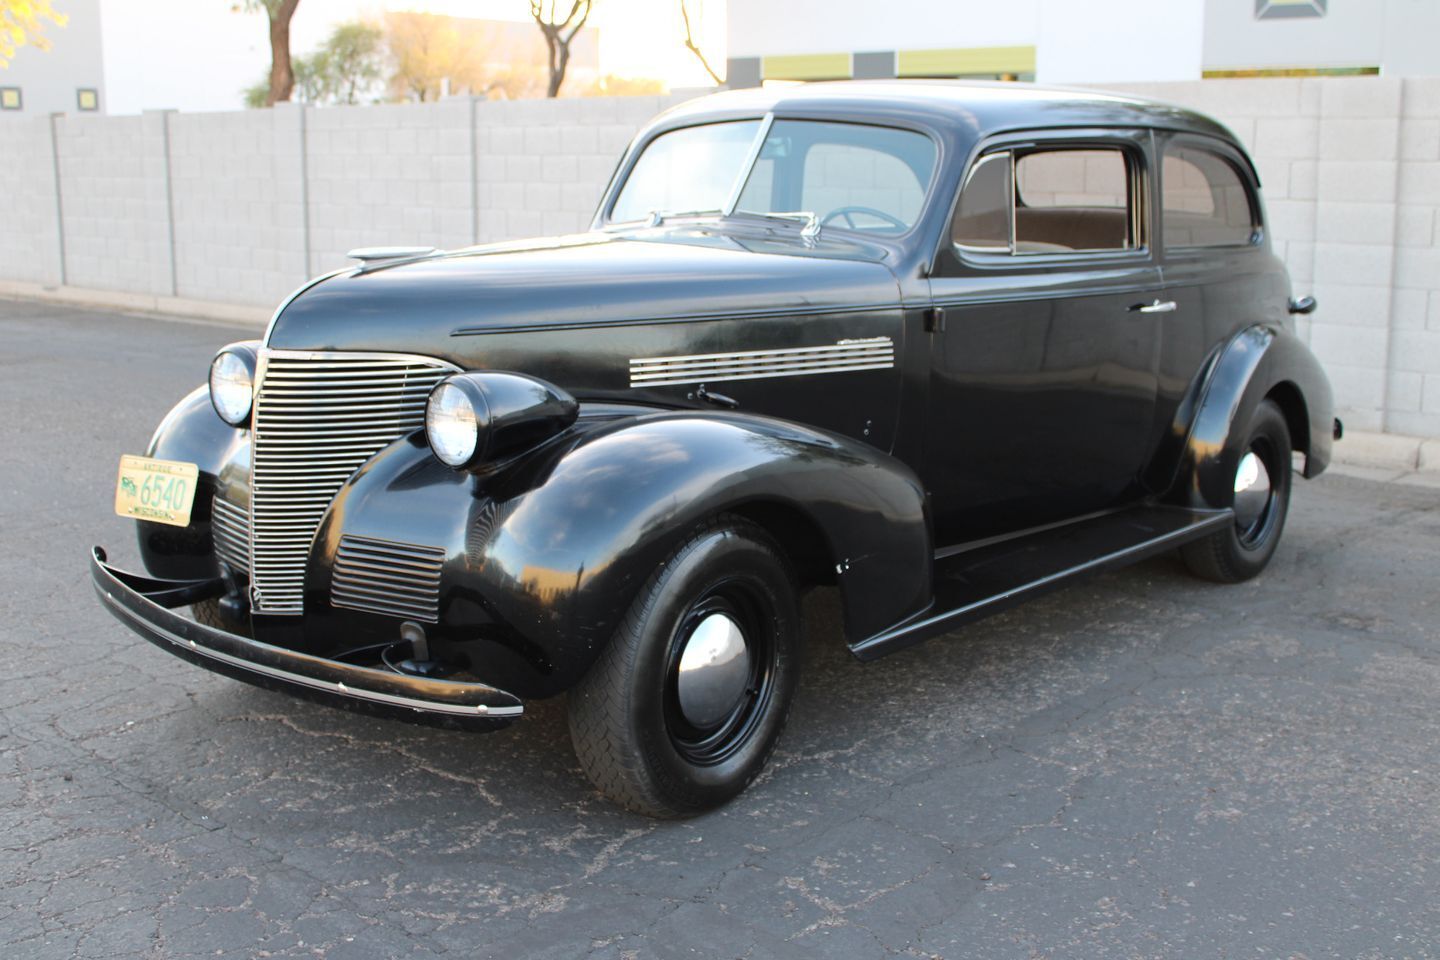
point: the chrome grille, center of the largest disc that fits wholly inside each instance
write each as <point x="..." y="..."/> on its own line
<point x="390" y="578"/>
<point x="318" y="418"/>
<point x="230" y="528"/>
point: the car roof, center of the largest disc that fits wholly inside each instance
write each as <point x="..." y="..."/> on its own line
<point x="984" y="107"/>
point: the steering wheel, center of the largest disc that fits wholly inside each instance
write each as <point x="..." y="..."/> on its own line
<point x="848" y="212"/>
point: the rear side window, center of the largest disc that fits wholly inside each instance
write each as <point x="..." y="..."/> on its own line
<point x="1204" y="202"/>
<point x="1058" y="200"/>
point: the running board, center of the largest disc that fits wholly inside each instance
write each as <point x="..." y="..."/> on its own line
<point x="988" y="579"/>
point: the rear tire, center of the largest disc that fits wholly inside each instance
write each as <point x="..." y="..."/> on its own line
<point x="684" y="707"/>
<point x="1242" y="550"/>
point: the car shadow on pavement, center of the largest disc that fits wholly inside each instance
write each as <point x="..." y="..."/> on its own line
<point x="258" y="755"/>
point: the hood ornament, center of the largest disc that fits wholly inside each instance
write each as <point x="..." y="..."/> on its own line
<point x="368" y="255"/>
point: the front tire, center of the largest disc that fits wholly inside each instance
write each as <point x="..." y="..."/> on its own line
<point x="1262" y="500"/>
<point x="685" y="705"/>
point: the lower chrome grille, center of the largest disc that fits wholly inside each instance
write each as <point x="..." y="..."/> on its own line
<point x="318" y="418"/>
<point x="386" y="577"/>
<point x="230" y="528"/>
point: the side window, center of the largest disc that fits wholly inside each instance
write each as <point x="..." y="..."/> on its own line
<point x="1047" y="201"/>
<point x="982" y="217"/>
<point x="1203" y="202"/>
<point x="1072" y="200"/>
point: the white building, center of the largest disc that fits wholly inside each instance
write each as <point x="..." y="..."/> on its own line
<point x="67" y="78"/>
<point x="1078" y="41"/>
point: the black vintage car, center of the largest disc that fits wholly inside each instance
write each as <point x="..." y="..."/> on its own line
<point x="943" y="346"/>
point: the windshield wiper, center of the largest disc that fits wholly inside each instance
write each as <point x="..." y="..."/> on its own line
<point x="806" y="217"/>
<point x="657" y="217"/>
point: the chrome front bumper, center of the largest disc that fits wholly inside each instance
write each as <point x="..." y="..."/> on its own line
<point x="144" y="605"/>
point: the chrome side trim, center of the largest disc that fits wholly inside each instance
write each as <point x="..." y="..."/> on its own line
<point x="873" y="353"/>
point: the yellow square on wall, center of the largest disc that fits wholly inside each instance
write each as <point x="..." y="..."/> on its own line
<point x="9" y="98"/>
<point x="87" y="99"/>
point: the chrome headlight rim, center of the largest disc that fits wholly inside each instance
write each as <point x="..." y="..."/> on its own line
<point x="232" y="383"/>
<point x="455" y="418"/>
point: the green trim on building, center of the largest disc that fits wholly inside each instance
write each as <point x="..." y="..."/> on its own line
<point x="806" y="66"/>
<point x="1290" y="72"/>
<point x="966" y="61"/>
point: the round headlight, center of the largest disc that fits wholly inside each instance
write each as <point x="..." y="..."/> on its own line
<point x="451" y="425"/>
<point x="232" y="385"/>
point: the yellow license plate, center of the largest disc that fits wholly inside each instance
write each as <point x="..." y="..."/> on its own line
<point x="161" y="491"/>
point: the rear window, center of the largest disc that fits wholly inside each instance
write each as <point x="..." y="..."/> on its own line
<point x="1204" y="201"/>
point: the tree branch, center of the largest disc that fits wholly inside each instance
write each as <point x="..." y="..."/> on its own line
<point x="693" y="48"/>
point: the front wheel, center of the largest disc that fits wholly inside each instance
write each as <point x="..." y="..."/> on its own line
<point x="685" y="705"/>
<point x="1262" y="499"/>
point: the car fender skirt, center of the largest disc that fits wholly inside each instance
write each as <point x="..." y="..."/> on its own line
<point x="142" y="604"/>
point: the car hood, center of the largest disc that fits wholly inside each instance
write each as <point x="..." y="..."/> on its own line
<point x="455" y="306"/>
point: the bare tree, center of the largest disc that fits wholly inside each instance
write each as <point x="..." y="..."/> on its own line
<point x="694" y="48"/>
<point x="558" y="35"/>
<point x="282" y="73"/>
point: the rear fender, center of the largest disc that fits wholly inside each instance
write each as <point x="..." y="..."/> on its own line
<point x="1258" y="362"/>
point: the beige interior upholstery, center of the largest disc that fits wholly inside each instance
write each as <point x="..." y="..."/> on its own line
<point x="1076" y="228"/>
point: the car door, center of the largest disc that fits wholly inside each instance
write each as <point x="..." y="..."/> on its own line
<point x="1047" y="310"/>
<point x="838" y="365"/>
<point x="1218" y="270"/>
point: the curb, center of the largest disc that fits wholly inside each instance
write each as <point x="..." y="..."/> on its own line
<point x="177" y="309"/>
<point x="1388" y="451"/>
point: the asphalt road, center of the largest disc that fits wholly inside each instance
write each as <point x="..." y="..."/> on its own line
<point x="1143" y="766"/>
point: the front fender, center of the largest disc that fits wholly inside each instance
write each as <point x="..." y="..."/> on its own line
<point x="193" y="432"/>
<point x="1258" y="362"/>
<point x="544" y="559"/>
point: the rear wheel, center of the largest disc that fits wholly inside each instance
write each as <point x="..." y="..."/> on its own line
<point x="685" y="705"/>
<point x="1262" y="499"/>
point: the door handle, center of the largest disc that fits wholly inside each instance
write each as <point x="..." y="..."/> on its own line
<point x="1159" y="306"/>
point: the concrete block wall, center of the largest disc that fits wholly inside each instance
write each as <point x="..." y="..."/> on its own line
<point x="113" y="218"/>
<point x="386" y="175"/>
<point x="238" y="188"/>
<point x="238" y="209"/>
<point x="541" y="165"/>
<point x="30" y="233"/>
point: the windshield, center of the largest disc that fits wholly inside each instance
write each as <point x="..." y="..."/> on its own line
<point x="691" y="170"/>
<point x="855" y="176"/>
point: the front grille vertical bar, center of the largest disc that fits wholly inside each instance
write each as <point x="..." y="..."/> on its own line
<point x="318" y="418"/>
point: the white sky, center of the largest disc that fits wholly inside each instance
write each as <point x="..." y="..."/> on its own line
<point x="199" y="54"/>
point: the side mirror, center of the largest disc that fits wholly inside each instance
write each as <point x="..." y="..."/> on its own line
<point x="1303" y="305"/>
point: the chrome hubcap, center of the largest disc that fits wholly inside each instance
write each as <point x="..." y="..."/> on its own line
<point x="1252" y="491"/>
<point x="714" y="670"/>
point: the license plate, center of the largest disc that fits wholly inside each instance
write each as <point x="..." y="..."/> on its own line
<point x="161" y="491"/>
